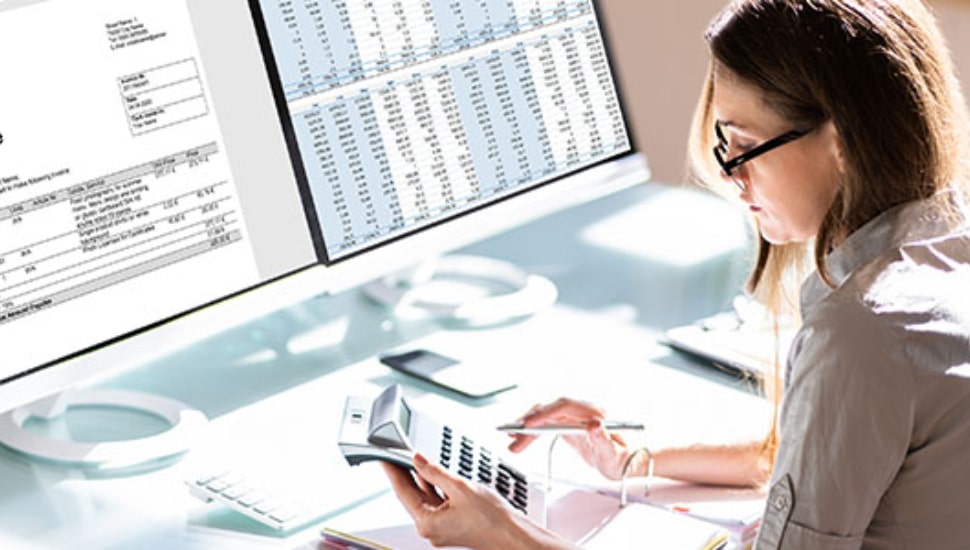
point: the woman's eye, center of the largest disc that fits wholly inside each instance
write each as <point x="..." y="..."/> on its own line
<point x="743" y="147"/>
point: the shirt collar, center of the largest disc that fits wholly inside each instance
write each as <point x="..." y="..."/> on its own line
<point x="905" y="223"/>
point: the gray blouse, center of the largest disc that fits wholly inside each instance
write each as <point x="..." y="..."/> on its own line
<point x="875" y="421"/>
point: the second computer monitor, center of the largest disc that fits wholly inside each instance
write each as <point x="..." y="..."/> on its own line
<point x="402" y="114"/>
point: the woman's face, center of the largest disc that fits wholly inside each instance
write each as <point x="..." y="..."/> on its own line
<point x="788" y="189"/>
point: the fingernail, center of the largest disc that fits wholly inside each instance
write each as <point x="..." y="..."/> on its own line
<point x="419" y="460"/>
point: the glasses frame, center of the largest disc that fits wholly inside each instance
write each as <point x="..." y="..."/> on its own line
<point x="729" y="165"/>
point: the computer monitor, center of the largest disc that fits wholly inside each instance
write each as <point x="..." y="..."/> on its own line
<point x="171" y="168"/>
<point x="402" y="115"/>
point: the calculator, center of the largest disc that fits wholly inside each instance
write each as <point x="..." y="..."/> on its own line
<point x="388" y="428"/>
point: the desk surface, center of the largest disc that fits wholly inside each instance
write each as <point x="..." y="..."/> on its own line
<point x="274" y="388"/>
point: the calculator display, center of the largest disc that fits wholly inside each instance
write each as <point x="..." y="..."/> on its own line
<point x="404" y="420"/>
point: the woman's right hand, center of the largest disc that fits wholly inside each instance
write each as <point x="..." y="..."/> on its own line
<point x="605" y="451"/>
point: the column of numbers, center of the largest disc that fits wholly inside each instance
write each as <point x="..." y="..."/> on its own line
<point x="409" y="151"/>
<point x="612" y="128"/>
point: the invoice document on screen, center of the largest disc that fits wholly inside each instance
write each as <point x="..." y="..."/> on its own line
<point x="114" y="181"/>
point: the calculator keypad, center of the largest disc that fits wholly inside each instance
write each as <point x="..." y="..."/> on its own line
<point x="477" y="463"/>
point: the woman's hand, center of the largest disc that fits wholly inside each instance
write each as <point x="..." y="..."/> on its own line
<point x="451" y="512"/>
<point x="607" y="452"/>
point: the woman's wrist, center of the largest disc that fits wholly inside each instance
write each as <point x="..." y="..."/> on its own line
<point x="641" y="462"/>
<point x="661" y="462"/>
<point x="738" y="464"/>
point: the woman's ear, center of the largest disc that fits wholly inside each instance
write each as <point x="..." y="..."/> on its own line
<point x="835" y="141"/>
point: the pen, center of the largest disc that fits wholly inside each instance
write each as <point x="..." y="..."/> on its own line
<point x="613" y="425"/>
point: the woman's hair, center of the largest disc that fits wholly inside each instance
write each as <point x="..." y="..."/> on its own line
<point x="880" y="72"/>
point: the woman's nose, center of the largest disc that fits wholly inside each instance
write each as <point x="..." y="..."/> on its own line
<point x="735" y="178"/>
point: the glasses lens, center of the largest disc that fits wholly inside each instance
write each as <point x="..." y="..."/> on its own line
<point x="738" y="182"/>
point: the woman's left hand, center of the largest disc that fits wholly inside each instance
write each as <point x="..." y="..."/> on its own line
<point x="605" y="451"/>
<point x="448" y="511"/>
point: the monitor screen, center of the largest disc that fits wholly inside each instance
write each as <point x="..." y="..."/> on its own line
<point x="404" y="113"/>
<point x="166" y="164"/>
<point x="143" y="172"/>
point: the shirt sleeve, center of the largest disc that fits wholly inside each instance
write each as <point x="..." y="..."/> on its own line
<point x="845" y="425"/>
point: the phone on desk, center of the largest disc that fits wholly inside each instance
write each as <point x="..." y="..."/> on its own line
<point x="470" y="380"/>
<point x="388" y="428"/>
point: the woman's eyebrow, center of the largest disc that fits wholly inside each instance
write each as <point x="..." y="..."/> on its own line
<point x="730" y="124"/>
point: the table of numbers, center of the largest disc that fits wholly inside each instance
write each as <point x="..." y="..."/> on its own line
<point x="62" y="245"/>
<point x="408" y="111"/>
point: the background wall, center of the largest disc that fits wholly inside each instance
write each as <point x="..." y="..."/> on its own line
<point x="659" y="53"/>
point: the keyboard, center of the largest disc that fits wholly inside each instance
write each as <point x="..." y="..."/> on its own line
<point x="260" y="500"/>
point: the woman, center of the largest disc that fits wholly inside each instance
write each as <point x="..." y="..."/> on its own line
<point x="844" y="129"/>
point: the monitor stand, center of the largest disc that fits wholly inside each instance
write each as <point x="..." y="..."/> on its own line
<point x="472" y="290"/>
<point x="185" y="424"/>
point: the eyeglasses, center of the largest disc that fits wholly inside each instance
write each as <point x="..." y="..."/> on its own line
<point x="729" y="165"/>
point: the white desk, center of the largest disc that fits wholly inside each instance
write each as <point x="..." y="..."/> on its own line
<point x="274" y="389"/>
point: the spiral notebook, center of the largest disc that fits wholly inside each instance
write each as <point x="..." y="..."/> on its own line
<point x="597" y="522"/>
<point x="591" y="519"/>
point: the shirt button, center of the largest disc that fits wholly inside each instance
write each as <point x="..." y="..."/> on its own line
<point x="780" y="503"/>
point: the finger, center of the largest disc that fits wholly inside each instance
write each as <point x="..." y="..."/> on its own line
<point x="436" y="475"/>
<point x="564" y="409"/>
<point x="577" y="408"/>
<point x="410" y="495"/>
<point x="520" y="442"/>
<point x="601" y="436"/>
<point x="599" y="442"/>
<point x="576" y="441"/>
<point x="603" y="439"/>
<point x="431" y="492"/>
<point x="598" y="435"/>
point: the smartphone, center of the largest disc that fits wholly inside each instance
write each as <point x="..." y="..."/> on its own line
<point x="471" y="380"/>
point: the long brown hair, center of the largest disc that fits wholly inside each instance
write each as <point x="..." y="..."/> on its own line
<point x="879" y="70"/>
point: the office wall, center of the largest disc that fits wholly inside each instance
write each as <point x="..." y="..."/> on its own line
<point x="954" y="18"/>
<point x="659" y="51"/>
